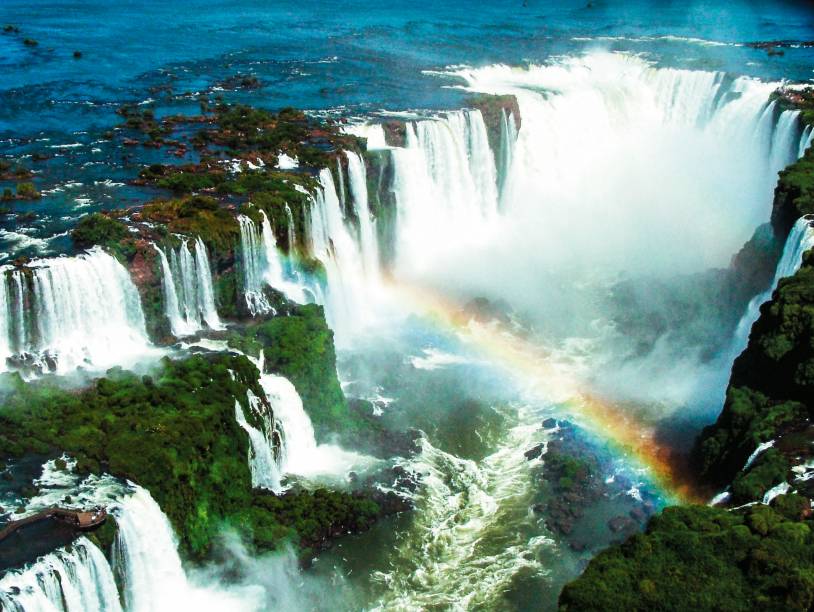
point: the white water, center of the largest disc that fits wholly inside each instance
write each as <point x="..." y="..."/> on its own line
<point x="154" y="580"/>
<point x="445" y="187"/>
<point x="800" y="239"/>
<point x="763" y="446"/>
<point x="78" y="579"/>
<point x="67" y="312"/>
<point x="367" y="240"/>
<point x="300" y="453"/>
<point x="264" y="264"/>
<point x="459" y="554"/>
<point x="332" y="239"/>
<point x="189" y="300"/>
<point x="604" y="156"/>
<point x="263" y="460"/>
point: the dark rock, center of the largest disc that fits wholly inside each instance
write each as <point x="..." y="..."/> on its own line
<point x="534" y="453"/>
<point x="77" y="54"/>
<point x="621" y="523"/>
<point x="550" y="423"/>
<point x="638" y="514"/>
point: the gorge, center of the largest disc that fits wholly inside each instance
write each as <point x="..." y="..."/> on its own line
<point x="541" y="342"/>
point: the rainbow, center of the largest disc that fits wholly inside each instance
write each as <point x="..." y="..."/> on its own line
<point x="631" y="435"/>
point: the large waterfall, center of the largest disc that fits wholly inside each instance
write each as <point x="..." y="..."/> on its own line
<point x="344" y="249"/>
<point x="300" y="453"/>
<point x="800" y="240"/>
<point x="64" y="312"/>
<point x="189" y="299"/>
<point x="603" y="155"/>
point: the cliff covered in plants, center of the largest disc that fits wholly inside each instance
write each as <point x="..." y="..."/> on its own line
<point x="759" y="452"/>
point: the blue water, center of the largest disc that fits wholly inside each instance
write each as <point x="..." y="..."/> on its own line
<point x="352" y="56"/>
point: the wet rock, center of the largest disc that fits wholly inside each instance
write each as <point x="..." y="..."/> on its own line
<point x="550" y="423"/>
<point x="638" y="514"/>
<point x="534" y="453"/>
<point x="578" y="546"/>
<point x="619" y="524"/>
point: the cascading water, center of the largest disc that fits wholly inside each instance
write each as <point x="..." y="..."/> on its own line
<point x="146" y="558"/>
<point x="300" y="453"/>
<point x="263" y="264"/>
<point x="445" y="187"/>
<point x="254" y="261"/>
<point x="189" y="300"/>
<point x="508" y="138"/>
<point x="800" y="239"/>
<point x="458" y="555"/>
<point x="263" y="460"/>
<point x="332" y="240"/>
<point x="75" y="579"/>
<point x="368" y="244"/>
<point x="606" y="144"/>
<point x="70" y="311"/>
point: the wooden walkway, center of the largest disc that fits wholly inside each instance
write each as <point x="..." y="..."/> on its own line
<point x="78" y="519"/>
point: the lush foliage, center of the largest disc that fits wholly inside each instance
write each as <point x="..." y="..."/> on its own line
<point x="98" y="229"/>
<point x="770" y="393"/>
<point x="703" y="558"/>
<point x="300" y="347"/>
<point x="175" y="434"/>
<point x="794" y="194"/>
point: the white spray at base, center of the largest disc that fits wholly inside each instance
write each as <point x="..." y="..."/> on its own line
<point x="65" y="312"/>
<point x="264" y="461"/>
<point x="153" y="577"/>
<point x="147" y="566"/>
<point x="300" y="453"/>
<point x="189" y="299"/>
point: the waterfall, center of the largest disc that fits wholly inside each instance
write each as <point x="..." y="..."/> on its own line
<point x="147" y="561"/>
<point x="445" y="187"/>
<point x="508" y="138"/>
<point x="786" y="140"/>
<point x="5" y="319"/>
<point x="189" y="299"/>
<point x="332" y="241"/>
<point x="179" y="324"/>
<point x="254" y="264"/>
<point x="65" y="312"/>
<point x="263" y="264"/>
<point x="264" y="465"/>
<point x="300" y="453"/>
<point x="805" y="140"/>
<point x="75" y="579"/>
<point x="607" y="142"/>
<point x="206" y="295"/>
<point x="367" y="229"/>
<point x="292" y="235"/>
<point x="800" y="239"/>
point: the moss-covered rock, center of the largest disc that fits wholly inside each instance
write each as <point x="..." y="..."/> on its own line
<point x="772" y="383"/>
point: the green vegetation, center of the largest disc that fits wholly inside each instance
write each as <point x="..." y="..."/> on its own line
<point x="98" y="229"/>
<point x="27" y="191"/>
<point x="770" y="391"/>
<point x="703" y="558"/>
<point x="794" y="194"/>
<point x="196" y="216"/>
<point x="300" y="347"/>
<point x="175" y="434"/>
